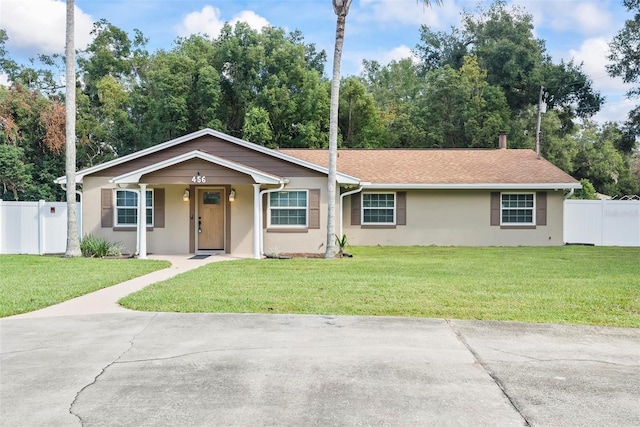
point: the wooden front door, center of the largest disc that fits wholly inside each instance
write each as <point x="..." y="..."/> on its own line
<point x="210" y="219"/>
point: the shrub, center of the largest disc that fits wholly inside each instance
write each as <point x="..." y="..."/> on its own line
<point x="586" y="192"/>
<point x="92" y="246"/>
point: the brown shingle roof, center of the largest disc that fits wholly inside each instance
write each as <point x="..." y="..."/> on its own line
<point x="430" y="166"/>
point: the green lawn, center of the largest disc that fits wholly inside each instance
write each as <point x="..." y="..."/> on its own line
<point x="571" y="284"/>
<point x="31" y="282"/>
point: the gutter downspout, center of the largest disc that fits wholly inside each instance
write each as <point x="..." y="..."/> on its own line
<point x="564" y="214"/>
<point x="571" y="191"/>
<point x="269" y="190"/>
<point x="342" y="196"/>
<point x="142" y="221"/>
<point x="257" y="217"/>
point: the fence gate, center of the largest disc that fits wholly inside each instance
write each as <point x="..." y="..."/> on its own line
<point x="35" y="227"/>
<point x="602" y="222"/>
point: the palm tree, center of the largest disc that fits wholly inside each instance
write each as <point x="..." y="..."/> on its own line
<point x="73" y="244"/>
<point x="341" y="9"/>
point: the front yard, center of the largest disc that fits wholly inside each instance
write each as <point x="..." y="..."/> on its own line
<point x="31" y="282"/>
<point x="571" y="284"/>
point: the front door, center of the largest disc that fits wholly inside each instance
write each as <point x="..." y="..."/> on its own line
<point x="210" y="219"/>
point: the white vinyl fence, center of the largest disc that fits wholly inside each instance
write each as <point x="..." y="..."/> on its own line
<point x="35" y="227"/>
<point x="602" y="222"/>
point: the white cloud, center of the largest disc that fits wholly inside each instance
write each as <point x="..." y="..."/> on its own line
<point x="398" y="53"/>
<point x="587" y="18"/>
<point x="409" y="12"/>
<point x="254" y="20"/>
<point x="38" y="26"/>
<point x="615" y="111"/>
<point x="593" y="54"/>
<point x="4" y="80"/>
<point x="209" y="21"/>
<point x="206" y="21"/>
<point x="384" y="57"/>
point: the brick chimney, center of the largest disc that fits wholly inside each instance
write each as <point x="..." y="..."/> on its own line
<point x="502" y="140"/>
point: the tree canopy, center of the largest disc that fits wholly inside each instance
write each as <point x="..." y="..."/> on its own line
<point x="460" y="90"/>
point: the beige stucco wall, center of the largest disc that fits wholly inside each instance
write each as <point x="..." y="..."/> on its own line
<point x="310" y="240"/>
<point x="172" y="239"/>
<point x="456" y="218"/>
<point x="434" y="217"/>
<point x="242" y="221"/>
<point x="91" y="214"/>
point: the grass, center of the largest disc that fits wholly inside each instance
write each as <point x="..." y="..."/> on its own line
<point x="31" y="282"/>
<point x="571" y="284"/>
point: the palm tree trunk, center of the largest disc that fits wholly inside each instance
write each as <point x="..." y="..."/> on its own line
<point x="73" y="244"/>
<point x="341" y="8"/>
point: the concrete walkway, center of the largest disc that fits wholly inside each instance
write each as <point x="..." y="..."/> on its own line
<point x="106" y="300"/>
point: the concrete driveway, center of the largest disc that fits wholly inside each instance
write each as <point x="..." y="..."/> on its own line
<point x="164" y="369"/>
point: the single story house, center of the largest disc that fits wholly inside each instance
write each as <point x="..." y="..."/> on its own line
<point x="211" y="192"/>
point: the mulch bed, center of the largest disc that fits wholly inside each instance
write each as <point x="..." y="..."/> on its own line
<point x="299" y="255"/>
<point x="295" y="255"/>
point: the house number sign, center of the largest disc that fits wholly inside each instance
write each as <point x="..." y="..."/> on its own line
<point x="199" y="179"/>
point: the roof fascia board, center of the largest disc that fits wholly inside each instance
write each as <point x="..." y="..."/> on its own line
<point x="346" y="179"/>
<point x="481" y="186"/>
<point x="258" y="176"/>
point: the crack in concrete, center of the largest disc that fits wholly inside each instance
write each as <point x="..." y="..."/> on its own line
<point x="485" y="366"/>
<point x="222" y="350"/>
<point x="535" y="359"/>
<point x="29" y="350"/>
<point x="103" y="370"/>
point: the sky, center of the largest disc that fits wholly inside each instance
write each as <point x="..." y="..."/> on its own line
<point x="381" y="30"/>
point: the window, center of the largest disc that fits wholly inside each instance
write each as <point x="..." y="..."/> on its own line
<point x="379" y="208"/>
<point x="288" y="208"/>
<point x="517" y="209"/>
<point x="211" y="198"/>
<point x="127" y="208"/>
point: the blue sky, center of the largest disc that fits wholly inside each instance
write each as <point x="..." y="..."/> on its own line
<point x="381" y="30"/>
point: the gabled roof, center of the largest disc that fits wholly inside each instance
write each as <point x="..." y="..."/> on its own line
<point x="453" y="168"/>
<point x="258" y="176"/>
<point x="341" y="178"/>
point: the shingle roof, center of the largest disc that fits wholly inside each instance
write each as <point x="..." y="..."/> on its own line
<point x="432" y="166"/>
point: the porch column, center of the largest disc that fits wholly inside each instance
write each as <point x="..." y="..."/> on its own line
<point x="257" y="221"/>
<point x="142" y="222"/>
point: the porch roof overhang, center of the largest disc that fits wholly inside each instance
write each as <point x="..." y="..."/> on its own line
<point x="344" y="179"/>
<point x="260" y="177"/>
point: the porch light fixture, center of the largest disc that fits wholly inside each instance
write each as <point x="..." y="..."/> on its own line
<point x="185" y="195"/>
<point x="232" y="195"/>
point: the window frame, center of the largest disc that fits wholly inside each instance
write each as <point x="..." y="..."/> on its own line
<point x="533" y="208"/>
<point x="394" y="209"/>
<point x="283" y="226"/>
<point x="148" y="209"/>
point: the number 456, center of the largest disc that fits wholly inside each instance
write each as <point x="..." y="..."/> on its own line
<point x="199" y="179"/>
